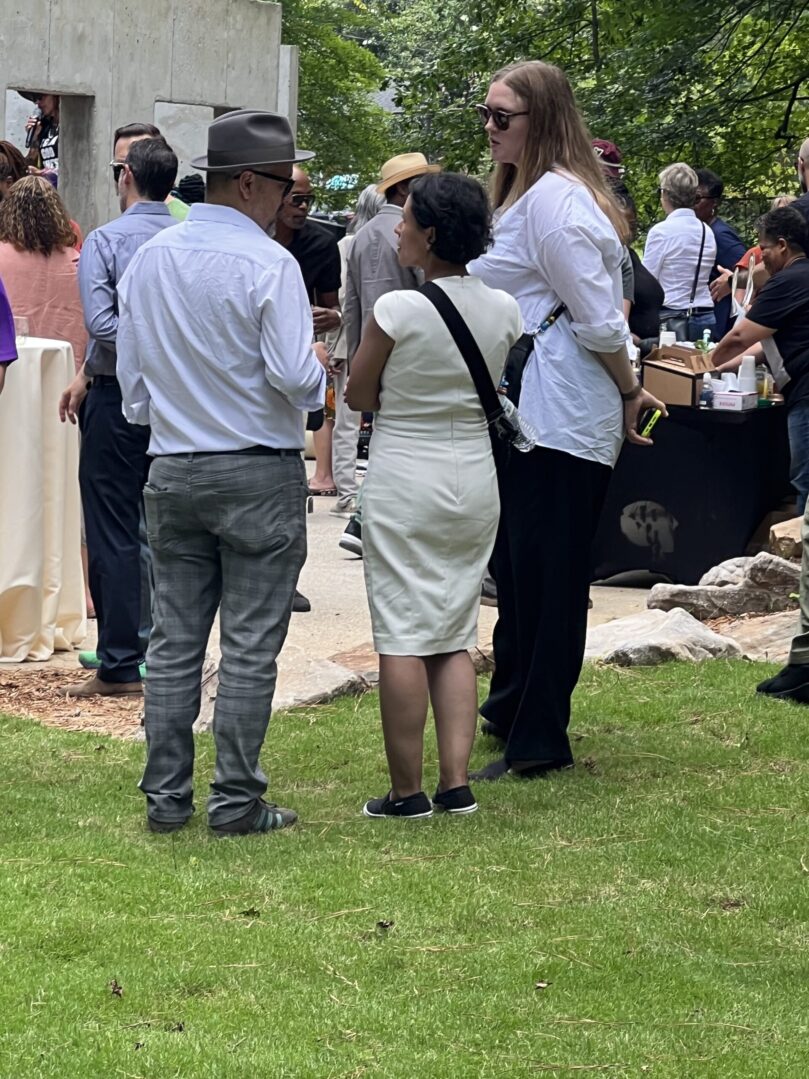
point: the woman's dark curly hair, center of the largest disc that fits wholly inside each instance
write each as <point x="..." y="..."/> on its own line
<point x="457" y="207"/>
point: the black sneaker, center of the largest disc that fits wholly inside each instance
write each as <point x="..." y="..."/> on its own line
<point x="457" y="800"/>
<point x="351" y="539"/>
<point x="300" y="603"/>
<point x="263" y="817"/>
<point x="415" y="806"/>
<point x="791" y="683"/>
<point x="488" y="592"/>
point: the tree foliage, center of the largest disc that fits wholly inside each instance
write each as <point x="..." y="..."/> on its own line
<point x="723" y="87"/>
<point x="337" y="116"/>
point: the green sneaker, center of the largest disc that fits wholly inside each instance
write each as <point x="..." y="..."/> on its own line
<point x="91" y="662"/>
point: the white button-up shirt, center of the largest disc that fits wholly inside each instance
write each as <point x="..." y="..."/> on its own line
<point x="672" y="253"/>
<point x="555" y="244"/>
<point x="215" y="338"/>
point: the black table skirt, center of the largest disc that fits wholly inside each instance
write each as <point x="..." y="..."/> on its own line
<point x="697" y="496"/>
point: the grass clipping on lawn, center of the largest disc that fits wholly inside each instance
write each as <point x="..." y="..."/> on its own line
<point x="644" y="914"/>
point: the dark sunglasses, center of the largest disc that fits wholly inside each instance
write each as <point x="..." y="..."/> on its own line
<point x="287" y="181"/>
<point x="501" y="118"/>
<point x="117" y="168"/>
<point x="301" y="200"/>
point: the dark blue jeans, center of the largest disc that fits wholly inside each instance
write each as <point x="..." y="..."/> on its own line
<point x="112" y="471"/>
<point x="798" y="428"/>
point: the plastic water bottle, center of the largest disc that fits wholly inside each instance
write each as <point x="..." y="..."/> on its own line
<point x="706" y="395"/>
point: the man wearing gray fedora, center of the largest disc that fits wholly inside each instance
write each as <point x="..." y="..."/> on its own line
<point x="215" y="353"/>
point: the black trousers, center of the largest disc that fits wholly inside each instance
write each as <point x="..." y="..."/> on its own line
<point x="550" y="505"/>
<point x="113" y="468"/>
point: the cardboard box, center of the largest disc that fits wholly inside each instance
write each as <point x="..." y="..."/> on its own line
<point x="671" y="382"/>
<point x="693" y="359"/>
<point x="735" y="402"/>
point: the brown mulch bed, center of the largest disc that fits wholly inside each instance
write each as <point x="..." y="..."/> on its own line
<point x="40" y="695"/>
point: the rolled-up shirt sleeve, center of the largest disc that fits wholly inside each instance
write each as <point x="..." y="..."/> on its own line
<point x="573" y="264"/>
<point x="291" y="366"/>
<point x="134" y="394"/>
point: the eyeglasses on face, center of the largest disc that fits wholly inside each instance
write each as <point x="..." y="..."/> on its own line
<point x="501" y="117"/>
<point x="117" y="168"/>
<point x="301" y="199"/>
<point x="287" y="181"/>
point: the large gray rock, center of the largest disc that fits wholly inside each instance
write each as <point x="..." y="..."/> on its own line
<point x="318" y="681"/>
<point x="655" y="636"/>
<point x="760" y="585"/>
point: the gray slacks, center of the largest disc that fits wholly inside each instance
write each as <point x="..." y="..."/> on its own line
<point x="344" y="442"/>
<point x="226" y="531"/>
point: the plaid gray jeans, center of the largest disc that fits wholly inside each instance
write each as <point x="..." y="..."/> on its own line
<point x="226" y="531"/>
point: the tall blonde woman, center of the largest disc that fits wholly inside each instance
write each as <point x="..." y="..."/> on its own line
<point x="430" y="496"/>
<point x="557" y="241"/>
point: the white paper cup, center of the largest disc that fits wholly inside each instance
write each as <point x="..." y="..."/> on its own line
<point x="667" y="337"/>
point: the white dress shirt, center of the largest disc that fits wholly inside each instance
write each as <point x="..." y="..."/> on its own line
<point x="555" y="245"/>
<point x="215" y="338"/>
<point x="672" y="253"/>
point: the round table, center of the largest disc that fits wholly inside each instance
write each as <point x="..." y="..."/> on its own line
<point x="42" y="606"/>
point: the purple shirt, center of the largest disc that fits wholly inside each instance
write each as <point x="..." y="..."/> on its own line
<point x="8" y="344"/>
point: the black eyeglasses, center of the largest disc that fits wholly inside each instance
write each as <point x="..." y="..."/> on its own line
<point x="501" y="118"/>
<point x="287" y="181"/>
<point x="117" y="168"/>
<point x="301" y="200"/>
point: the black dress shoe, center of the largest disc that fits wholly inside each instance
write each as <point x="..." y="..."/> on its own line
<point x="487" y="727"/>
<point x="791" y="683"/>
<point x="300" y="603"/>
<point x="501" y="768"/>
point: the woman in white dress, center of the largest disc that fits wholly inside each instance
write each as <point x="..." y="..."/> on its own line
<point x="557" y="240"/>
<point x="430" y="504"/>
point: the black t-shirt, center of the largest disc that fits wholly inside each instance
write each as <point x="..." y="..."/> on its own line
<point x="802" y="204"/>
<point x="783" y="305"/>
<point x="316" y="251"/>
<point x="644" y="317"/>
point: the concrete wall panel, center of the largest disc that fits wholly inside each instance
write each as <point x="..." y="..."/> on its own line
<point x="200" y="52"/>
<point x="114" y="61"/>
<point x="80" y="52"/>
<point x="254" y="40"/>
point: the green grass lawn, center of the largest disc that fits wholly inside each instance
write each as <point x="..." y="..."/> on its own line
<point x="645" y="914"/>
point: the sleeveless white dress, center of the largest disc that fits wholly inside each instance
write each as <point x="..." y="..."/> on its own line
<point x="429" y="504"/>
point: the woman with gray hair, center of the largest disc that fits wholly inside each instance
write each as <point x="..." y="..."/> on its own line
<point x="347" y="422"/>
<point x="680" y="253"/>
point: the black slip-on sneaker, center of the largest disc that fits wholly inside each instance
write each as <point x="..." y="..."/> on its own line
<point x="414" y="807"/>
<point x="457" y="800"/>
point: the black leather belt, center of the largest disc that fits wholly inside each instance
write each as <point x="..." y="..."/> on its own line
<point x="251" y="451"/>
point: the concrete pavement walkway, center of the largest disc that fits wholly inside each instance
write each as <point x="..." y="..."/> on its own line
<point x="328" y="651"/>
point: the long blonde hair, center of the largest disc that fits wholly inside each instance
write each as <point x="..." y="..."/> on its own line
<point x="557" y="138"/>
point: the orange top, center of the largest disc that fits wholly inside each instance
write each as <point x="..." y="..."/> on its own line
<point x="45" y="290"/>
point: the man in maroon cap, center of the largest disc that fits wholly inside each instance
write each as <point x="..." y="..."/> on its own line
<point x="610" y="158"/>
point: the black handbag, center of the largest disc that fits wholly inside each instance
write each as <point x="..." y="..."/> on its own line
<point x="681" y="324"/>
<point x="504" y="422"/>
<point x="520" y="353"/>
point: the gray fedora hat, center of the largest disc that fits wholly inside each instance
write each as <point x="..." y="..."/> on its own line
<point x="249" y="138"/>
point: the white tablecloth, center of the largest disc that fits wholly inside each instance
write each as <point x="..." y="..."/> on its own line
<point x="42" y="607"/>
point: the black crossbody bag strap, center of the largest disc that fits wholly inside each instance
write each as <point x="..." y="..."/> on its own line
<point x="696" y="275"/>
<point x="468" y="348"/>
